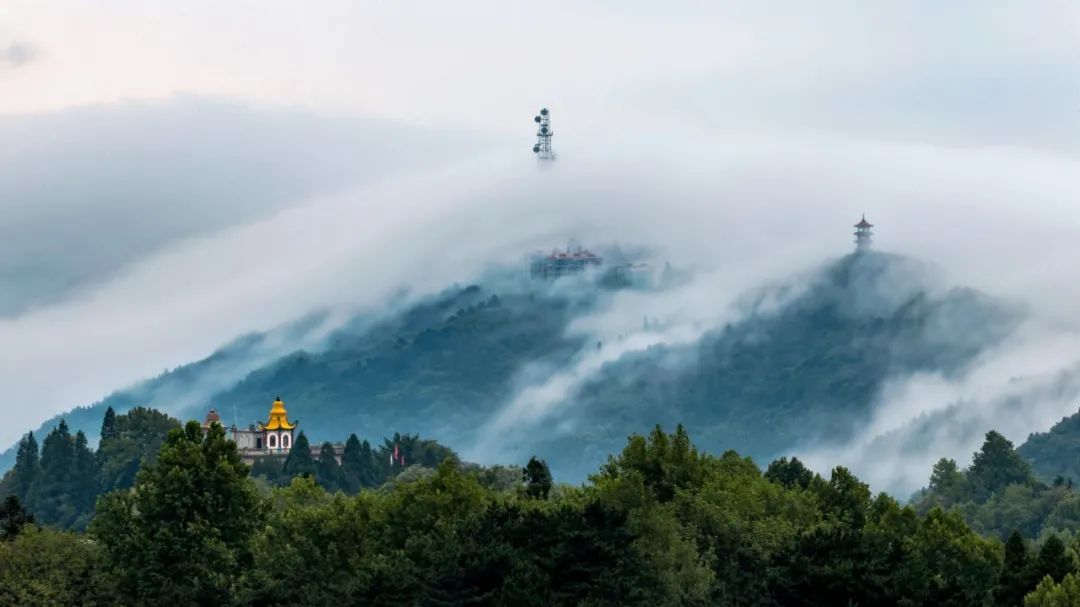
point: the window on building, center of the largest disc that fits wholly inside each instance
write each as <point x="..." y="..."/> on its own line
<point x="271" y="441"/>
<point x="258" y="442"/>
<point x="286" y="441"/>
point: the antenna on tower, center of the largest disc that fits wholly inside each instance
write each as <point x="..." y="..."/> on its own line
<point x="542" y="149"/>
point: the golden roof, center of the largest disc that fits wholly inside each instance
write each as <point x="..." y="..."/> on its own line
<point x="279" y="418"/>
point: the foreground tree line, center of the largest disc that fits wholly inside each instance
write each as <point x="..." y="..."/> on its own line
<point x="659" y="524"/>
<point x="61" y="482"/>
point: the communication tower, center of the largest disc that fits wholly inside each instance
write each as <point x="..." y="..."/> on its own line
<point x="542" y="149"/>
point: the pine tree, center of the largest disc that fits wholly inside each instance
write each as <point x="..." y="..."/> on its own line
<point x="997" y="465"/>
<point x="50" y="497"/>
<point x="1015" y="579"/>
<point x="108" y="425"/>
<point x="299" y="462"/>
<point x="327" y="471"/>
<point x="352" y="465"/>
<point x="538" y="481"/>
<point x="86" y="486"/>
<point x="1053" y="560"/>
<point x="13" y="517"/>
<point x="26" y="470"/>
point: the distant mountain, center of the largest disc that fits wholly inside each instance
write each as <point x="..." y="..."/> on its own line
<point x="805" y="359"/>
<point x="808" y="370"/>
<point x="1055" y="452"/>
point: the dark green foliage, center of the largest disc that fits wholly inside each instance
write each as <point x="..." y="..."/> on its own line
<point x="996" y="466"/>
<point x="46" y="568"/>
<point x="50" y="498"/>
<point x="327" y="470"/>
<point x="537" y="479"/>
<point x="22" y="476"/>
<point x="660" y="524"/>
<point x="1053" y="560"/>
<point x="299" y="461"/>
<point x="790" y="474"/>
<point x="1056" y="452"/>
<point x="13" y="517"/>
<point x="999" y="494"/>
<point x="128" y="442"/>
<point x="108" y="426"/>
<point x="183" y="535"/>
<point x="1017" y="577"/>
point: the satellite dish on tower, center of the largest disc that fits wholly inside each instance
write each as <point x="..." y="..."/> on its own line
<point x="542" y="149"/>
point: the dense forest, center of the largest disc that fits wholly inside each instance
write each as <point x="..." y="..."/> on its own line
<point x="661" y="523"/>
<point x="806" y="369"/>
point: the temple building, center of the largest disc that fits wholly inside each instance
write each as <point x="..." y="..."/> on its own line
<point x="863" y="235"/>
<point x="274" y="438"/>
<point x="563" y="263"/>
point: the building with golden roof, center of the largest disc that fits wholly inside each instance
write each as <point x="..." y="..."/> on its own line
<point x="272" y="438"/>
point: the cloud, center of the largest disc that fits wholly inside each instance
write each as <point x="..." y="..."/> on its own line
<point x="84" y="192"/>
<point x="18" y="54"/>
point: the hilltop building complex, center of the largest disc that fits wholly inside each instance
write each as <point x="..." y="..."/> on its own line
<point x="274" y="438"/>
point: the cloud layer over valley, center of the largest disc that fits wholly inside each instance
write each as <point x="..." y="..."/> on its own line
<point x="235" y="191"/>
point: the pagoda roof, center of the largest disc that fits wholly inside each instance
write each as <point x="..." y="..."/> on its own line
<point x="863" y="223"/>
<point x="279" y="418"/>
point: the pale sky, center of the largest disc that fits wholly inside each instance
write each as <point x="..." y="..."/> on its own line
<point x="164" y="166"/>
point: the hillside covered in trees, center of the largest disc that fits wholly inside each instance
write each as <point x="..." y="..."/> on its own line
<point x="444" y="367"/>
<point x="661" y="523"/>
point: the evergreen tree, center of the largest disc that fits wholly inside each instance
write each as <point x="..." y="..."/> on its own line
<point x="13" y="517"/>
<point x="50" y="497"/>
<point x="108" y="425"/>
<point x="299" y="461"/>
<point x="537" y="477"/>
<point x="183" y="535"/>
<point x="352" y="465"/>
<point x="27" y="468"/>
<point x="85" y="487"/>
<point x="370" y="471"/>
<point x="1053" y="560"/>
<point x="327" y="470"/>
<point x="1015" y="579"/>
<point x="997" y="465"/>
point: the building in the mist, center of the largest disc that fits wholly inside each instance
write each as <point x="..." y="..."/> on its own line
<point x="563" y="263"/>
<point x="274" y="438"/>
<point x="864" y="236"/>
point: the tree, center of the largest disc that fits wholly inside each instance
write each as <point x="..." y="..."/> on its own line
<point x="537" y="477"/>
<point x="1051" y="594"/>
<point x="27" y="468"/>
<point x="1015" y="579"/>
<point x="51" y="498"/>
<point x="997" y="465"/>
<point x="299" y="462"/>
<point x="352" y="465"/>
<point x="327" y="470"/>
<point x="1053" y="560"/>
<point x="46" y="567"/>
<point x="183" y="535"/>
<point x="85" y="487"/>
<point x="13" y="517"/>
<point x="947" y="482"/>
<point x="134" y="440"/>
<point x="108" y="425"/>
<point x="789" y="474"/>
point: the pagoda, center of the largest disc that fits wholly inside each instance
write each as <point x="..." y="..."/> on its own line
<point x="863" y="234"/>
<point x="278" y="430"/>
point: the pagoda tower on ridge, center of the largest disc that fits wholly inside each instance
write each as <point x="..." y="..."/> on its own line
<point x="864" y="236"/>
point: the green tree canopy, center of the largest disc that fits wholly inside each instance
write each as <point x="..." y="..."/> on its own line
<point x="183" y="535"/>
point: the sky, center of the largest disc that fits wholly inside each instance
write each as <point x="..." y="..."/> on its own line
<point x="175" y="174"/>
